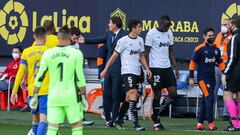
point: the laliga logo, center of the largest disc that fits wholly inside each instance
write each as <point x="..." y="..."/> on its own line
<point x="232" y="10"/>
<point x="121" y="14"/>
<point x="13" y="22"/>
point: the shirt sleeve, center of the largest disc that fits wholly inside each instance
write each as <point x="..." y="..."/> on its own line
<point x="232" y="54"/>
<point x="218" y="55"/>
<point x="20" y="73"/>
<point x="195" y="58"/>
<point x="171" y="37"/>
<point x="219" y="60"/>
<point x="6" y="71"/>
<point x="120" y="46"/>
<point x="142" y="45"/>
<point x="148" y="40"/>
<point x="42" y="71"/>
<point x="80" y="78"/>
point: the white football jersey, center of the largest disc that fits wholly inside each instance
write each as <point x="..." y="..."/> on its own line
<point x="159" y="43"/>
<point x="130" y="50"/>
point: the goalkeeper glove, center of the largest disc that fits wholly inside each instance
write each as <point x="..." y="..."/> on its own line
<point x="85" y="103"/>
<point x="34" y="102"/>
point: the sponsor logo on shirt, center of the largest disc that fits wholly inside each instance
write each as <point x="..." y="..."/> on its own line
<point x="210" y="60"/>
<point x="133" y="52"/>
<point x="164" y="44"/>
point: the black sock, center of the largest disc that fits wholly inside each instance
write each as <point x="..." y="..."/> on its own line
<point x="123" y="110"/>
<point x="84" y="119"/>
<point x="156" y="106"/>
<point x="134" y="113"/>
<point x="166" y="102"/>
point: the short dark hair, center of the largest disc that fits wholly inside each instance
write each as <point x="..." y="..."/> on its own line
<point x="19" y="48"/>
<point x="64" y="32"/>
<point x="236" y="21"/>
<point x="165" y="18"/>
<point x="49" y="26"/>
<point x="117" y="20"/>
<point x="133" y="24"/>
<point x="75" y="31"/>
<point x="208" y="29"/>
<point x="39" y="32"/>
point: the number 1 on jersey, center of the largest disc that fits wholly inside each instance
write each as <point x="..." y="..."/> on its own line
<point x="60" y="65"/>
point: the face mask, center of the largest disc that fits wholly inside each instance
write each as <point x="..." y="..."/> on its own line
<point x="211" y="40"/>
<point x="15" y="55"/>
<point x="224" y="29"/>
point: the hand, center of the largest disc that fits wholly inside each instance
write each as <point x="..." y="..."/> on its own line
<point x="103" y="73"/>
<point x="176" y="73"/>
<point x="149" y="74"/>
<point x="191" y="82"/>
<point x="81" y="40"/>
<point x="150" y="80"/>
<point x="14" y="98"/>
<point x="23" y="84"/>
<point x="82" y="90"/>
<point x="224" y="79"/>
<point x="85" y="103"/>
<point x="34" y="102"/>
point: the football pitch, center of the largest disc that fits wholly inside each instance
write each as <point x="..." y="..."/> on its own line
<point x="18" y="123"/>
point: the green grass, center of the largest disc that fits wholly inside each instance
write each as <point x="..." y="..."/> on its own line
<point x="18" y="123"/>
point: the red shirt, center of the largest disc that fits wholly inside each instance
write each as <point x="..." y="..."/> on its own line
<point x="12" y="68"/>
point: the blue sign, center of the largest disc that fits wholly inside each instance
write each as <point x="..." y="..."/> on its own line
<point x="18" y="19"/>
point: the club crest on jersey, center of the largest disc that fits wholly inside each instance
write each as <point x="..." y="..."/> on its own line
<point x="208" y="85"/>
<point x="216" y="52"/>
<point x="15" y="66"/>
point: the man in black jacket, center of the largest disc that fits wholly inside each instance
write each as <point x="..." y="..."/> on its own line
<point x="112" y="93"/>
<point x="231" y="76"/>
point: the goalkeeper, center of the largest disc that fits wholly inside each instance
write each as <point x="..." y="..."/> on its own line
<point x="65" y="67"/>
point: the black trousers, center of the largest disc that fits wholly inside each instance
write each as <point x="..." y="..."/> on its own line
<point x="112" y="95"/>
<point x="207" y="86"/>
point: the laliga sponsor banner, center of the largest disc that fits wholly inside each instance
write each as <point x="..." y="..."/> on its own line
<point x="18" y="19"/>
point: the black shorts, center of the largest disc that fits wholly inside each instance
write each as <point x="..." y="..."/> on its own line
<point x="233" y="80"/>
<point x="130" y="81"/>
<point x="162" y="78"/>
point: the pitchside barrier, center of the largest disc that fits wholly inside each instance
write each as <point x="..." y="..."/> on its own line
<point x="94" y="93"/>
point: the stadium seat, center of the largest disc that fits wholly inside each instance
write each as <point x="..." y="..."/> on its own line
<point x="95" y="98"/>
<point x="5" y="98"/>
<point x="199" y="94"/>
<point x="216" y="103"/>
